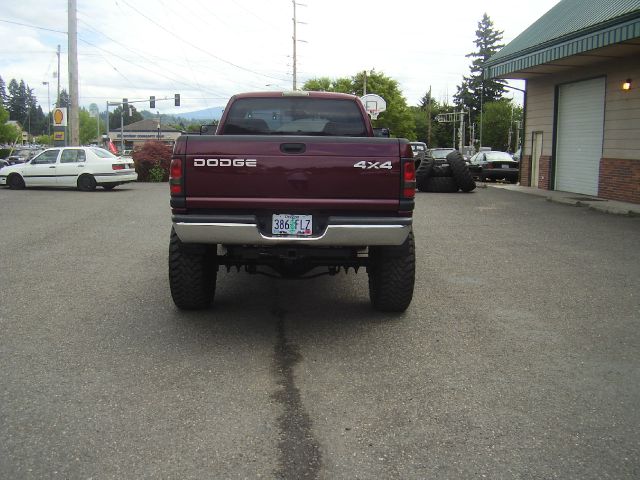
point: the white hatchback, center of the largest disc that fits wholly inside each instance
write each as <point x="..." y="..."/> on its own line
<point x="80" y="167"/>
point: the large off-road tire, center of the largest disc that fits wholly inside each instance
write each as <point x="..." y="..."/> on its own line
<point x="460" y="171"/>
<point x="441" y="185"/>
<point x="423" y="172"/>
<point x="441" y="171"/>
<point x="192" y="273"/>
<point x="392" y="273"/>
<point x="15" y="182"/>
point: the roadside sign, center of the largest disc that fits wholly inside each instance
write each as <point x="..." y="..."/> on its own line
<point x="59" y="117"/>
<point x="58" y="136"/>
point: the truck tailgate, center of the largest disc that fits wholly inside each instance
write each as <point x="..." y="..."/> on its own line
<point x="312" y="169"/>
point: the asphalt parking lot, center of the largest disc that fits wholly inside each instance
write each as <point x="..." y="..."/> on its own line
<point x="518" y="358"/>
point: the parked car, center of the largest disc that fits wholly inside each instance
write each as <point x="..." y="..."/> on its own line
<point x="80" y="167"/>
<point x="439" y="155"/>
<point x="494" y="165"/>
<point x="419" y="150"/>
<point x="22" y="155"/>
<point x="517" y="154"/>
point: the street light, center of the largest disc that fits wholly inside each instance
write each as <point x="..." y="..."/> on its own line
<point x="49" y="104"/>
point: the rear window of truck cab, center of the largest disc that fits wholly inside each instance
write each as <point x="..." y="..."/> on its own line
<point x="294" y="116"/>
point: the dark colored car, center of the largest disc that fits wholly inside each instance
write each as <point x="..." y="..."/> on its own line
<point x="439" y="155"/>
<point x="494" y="165"/>
<point x="22" y="155"/>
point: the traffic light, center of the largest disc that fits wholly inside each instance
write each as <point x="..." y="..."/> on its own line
<point x="152" y="101"/>
<point x="125" y="106"/>
<point x="177" y="98"/>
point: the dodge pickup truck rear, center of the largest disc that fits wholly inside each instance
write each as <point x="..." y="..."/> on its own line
<point x="292" y="185"/>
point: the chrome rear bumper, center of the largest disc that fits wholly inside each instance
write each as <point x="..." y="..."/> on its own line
<point x="340" y="231"/>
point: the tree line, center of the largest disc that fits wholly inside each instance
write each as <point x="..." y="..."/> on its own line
<point x="487" y="113"/>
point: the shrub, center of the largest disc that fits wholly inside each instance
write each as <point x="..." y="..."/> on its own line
<point x="156" y="174"/>
<point x="152" y="161"/>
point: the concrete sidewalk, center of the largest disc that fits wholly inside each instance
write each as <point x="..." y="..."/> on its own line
<point x="601" y="204"/>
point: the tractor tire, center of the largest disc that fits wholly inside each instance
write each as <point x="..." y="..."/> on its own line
<point x="423" y="172"/>
<point x="441" y="171"/>
<point x="461" y="172"/>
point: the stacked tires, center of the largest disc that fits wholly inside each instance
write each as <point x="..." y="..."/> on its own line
<point x="448" y="178"/>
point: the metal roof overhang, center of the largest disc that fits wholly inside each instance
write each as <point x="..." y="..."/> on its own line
<point x="615" y="41"/>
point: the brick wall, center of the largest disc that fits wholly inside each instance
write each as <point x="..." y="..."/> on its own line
<point x="619" y="179"/>
<point x="525" y="168"/>
<point x="544" y="171"/>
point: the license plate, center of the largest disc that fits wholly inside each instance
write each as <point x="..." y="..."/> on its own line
<point x="505" y="165"/>
<point x="287" y="224"/>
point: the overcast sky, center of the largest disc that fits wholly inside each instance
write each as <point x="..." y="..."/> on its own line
<point x="207" y="50"/>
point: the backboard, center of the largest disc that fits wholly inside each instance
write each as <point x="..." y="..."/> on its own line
<point x="373" y="104"/>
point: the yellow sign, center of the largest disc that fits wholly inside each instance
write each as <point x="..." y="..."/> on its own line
<point x="58" y="136"/>
<point x="60" y="117"/>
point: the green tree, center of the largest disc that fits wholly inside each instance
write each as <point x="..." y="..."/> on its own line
<point x="44" y="139"/>
<point x="17" y="103"/>
<point x="498" y="119"/>
<point x="88" y="127"/>
<point x="474" y="89"/>
<point x="398" y="118"/>
<point x="63" y="101"/>
<point x="8" y="133"/>
<point x="132" y="117"/>
<point x="441" y="133"/>
<point x="4" y="99"/>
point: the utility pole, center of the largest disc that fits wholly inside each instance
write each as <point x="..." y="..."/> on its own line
<point x="429" y="119"/>
<point x="364" y="88"/>
<point x="58" y="74"/>
<point x="295" y="41"/>
<point x="461" y="139"/>
<point x="49" y="113"/>
<point x="73" y="74"/>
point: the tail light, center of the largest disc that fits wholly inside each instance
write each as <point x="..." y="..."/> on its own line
<point x="117" y="166"/>
<point x="408" y="178"/>
<point x="175" y="177"/>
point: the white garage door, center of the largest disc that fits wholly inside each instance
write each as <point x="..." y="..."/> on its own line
<point x="580" y="130"/>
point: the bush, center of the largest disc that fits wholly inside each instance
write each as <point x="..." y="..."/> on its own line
<point x="4" y="152"/>
<point x="152" y="161"/>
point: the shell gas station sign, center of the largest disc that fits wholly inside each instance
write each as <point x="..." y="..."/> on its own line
<point x="59" y="126"/>
<point x="59" y="117"/>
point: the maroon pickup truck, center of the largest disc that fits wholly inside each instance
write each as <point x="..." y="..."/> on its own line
<point x="292" y="184"/>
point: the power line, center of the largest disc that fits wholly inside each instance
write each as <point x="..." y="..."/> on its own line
<point x="143" y="55"/>
<point x="197" y="47"/>
<point x="33" y="26"/>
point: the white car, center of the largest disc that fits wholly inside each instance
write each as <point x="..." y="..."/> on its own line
<point x="80" y="167"/>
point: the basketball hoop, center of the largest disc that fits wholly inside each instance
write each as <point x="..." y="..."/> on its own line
<point x="373" y="104"/>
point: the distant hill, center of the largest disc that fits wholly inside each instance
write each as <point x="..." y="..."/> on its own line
<point x="207" y="114"/>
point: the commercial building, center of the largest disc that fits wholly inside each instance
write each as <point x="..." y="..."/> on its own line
<point x="136" y="134"/>
<point x="581" y="63"/>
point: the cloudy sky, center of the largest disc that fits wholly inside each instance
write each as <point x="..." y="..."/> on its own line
<point x="207" y="50"/>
